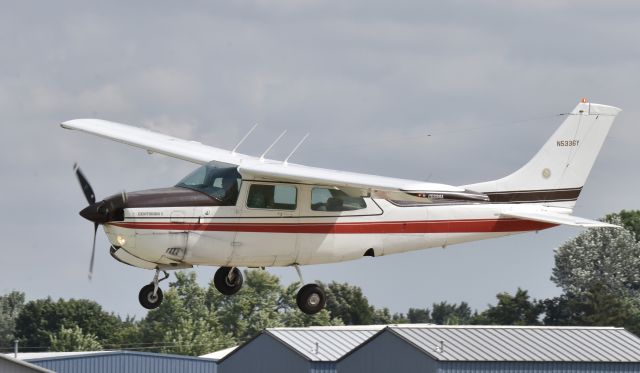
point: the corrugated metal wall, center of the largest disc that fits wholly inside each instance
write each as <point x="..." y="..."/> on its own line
<point x="323" y="367"/>
<point x="125" y="363"/>
<point x="263" y="354"/>
<point x="507" y="367"/>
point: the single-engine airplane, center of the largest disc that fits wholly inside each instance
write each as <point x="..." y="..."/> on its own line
<point x="238" y="210"/>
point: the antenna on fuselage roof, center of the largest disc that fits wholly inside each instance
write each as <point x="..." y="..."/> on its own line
<point x="286" y="160"/>
<point x="233" y="152"/>
<point x="272" y="144"/>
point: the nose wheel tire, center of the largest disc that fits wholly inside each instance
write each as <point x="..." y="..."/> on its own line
<point x="148" y="299"/>
<point x="228" y="280"/>
<point x="311" y="299"/>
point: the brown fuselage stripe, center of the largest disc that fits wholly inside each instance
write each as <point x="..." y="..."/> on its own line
<point x="427" y="226"/>
<point x="549" y="195"/>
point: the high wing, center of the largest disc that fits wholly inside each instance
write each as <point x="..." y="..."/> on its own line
<point x="558" y="218"/>
<point x="154" y="142"/>
<point x="251" y="167"/>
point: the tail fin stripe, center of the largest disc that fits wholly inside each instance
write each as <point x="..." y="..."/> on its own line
<point x="548" y="195"/>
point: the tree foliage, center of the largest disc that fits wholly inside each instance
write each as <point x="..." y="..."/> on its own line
<point x="608" y="257"/>
<point x="73" y="339"/>
<point x="348" y="303"/>
<point x="630" y="220"/>
<point x="10" y="306"/>
<point x="41" y="318"/>
<point x="515" y="309"/>
<point x="443" y="313"/>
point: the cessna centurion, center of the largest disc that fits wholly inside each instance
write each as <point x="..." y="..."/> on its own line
<point x="238" y="210"/>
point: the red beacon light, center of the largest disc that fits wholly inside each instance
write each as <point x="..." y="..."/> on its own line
<point x="584" y="100"/>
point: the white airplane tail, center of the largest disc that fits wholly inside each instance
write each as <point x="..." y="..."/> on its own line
<point x="556" y="174"/>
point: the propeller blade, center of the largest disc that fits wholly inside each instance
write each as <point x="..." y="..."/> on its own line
<point x="93" y="250"/>
<point x="84" y="184"/>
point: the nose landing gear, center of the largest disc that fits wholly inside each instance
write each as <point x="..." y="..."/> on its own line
<point x="150" y="295"/>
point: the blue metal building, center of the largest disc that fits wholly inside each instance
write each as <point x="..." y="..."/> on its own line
<point x="504" y="349"/>
<point x="313" y="349"/>
<point x="384" y="348"/>
<point x="123" y="362"/>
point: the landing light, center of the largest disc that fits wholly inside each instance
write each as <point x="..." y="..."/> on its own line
<point x="121" y="240"/>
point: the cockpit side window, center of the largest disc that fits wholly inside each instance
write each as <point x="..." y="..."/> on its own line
<point x="223" y="184"/>
<point x="272" y="197"/>
<point x="327" y="199"/>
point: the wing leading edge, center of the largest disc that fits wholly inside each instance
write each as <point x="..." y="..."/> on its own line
<point x="155" y="142"/>
<point x="251" y="167"/>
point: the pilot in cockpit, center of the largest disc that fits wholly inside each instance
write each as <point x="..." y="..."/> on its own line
<point x="230" y="186"/>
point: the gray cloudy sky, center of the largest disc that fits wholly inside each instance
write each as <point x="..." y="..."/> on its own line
<point x="368" y="79"/>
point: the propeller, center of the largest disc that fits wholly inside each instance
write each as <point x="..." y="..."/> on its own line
<point x="84" y="184"/>
<point x="91" y="198"/>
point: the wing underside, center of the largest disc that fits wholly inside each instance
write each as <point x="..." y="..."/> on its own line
<point x="560" y="219"/>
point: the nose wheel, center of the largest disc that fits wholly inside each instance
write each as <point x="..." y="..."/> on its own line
<point x="228" y="280"/>
<point x="311" y="298"/>
<point x="150" y="295"/>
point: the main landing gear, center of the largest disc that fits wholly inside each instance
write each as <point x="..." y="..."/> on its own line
<point x="150" y="295"/>
<point x="228" y="280"/>
<point x="311" y="298"/>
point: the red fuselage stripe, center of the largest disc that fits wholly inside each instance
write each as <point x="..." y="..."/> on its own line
<point x="432" y="226"/>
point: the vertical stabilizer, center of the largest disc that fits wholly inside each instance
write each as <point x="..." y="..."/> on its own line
<point x="556" y="174"/>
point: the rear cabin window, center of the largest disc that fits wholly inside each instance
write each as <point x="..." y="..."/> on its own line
<point x="326" y="199"/>
<point x="273" y="197"/>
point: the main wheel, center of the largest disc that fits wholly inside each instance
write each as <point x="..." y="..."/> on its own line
<point x="147" y="299"/>
<point x="311" y="299"/>
<point x="228" y="282"/>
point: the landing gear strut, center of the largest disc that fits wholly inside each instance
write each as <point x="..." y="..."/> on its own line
<point x="311" y="298"/>
<point x="150" y="295"/>
<point x="228" y="280"/>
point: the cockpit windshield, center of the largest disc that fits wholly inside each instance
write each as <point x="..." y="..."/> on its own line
<point x="222" y="184"/>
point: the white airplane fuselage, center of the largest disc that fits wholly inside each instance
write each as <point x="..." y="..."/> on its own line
<point x="239" y="236"/>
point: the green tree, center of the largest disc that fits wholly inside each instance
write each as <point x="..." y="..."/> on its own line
<point x="10" y="306"/>
<point x="609" y="257"/>
<point x="594" y="307"/>
<point x="444" y="313"/>
<point x="73" y="339"/>
<point x="419" y="315"/>
<point x="511" y="310"/>
<point x="630" y="220"/>
<point x="348" y="303"/>
<point x="127" y="335"/>
<point x="40" y="318"/>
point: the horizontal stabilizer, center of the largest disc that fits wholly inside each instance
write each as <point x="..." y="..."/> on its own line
<point x="556" y="218"/>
